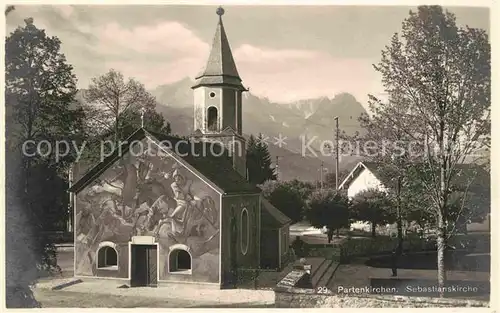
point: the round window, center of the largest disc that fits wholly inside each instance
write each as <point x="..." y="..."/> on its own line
<point x="212" y="94"/>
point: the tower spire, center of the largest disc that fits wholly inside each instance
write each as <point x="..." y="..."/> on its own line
<point x="220" y="68"/>
<point x="218" y="99"/>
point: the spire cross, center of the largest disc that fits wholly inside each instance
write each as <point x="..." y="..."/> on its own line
<point x="142" y="117"/>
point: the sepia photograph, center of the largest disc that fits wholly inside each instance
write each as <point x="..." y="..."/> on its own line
<point x="240" y="155"/>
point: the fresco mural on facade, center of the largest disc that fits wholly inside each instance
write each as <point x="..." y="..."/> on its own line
<point x="149" y="194"/>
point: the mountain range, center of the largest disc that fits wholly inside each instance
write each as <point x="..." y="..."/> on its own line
<point x="301" y="122"/>
<point x="303" y="125"/>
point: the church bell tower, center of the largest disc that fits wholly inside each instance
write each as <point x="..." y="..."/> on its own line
<point x="218" y="100"/>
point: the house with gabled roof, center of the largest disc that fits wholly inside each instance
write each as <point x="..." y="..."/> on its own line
<point x="364" y="176"/>
<point x="471" y="177"/>
<point x="162" y="209"/>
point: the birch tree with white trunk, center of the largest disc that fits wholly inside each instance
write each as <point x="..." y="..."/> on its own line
<point x="437" y="78"/>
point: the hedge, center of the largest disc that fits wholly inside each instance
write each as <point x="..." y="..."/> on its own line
<point x="357" y="247"/>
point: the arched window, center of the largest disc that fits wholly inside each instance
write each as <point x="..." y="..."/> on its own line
<point x="245" y="231"/>
<point x="212" y="118"/>
<point x="179" y="261"/>
<point x="107" y="257"/>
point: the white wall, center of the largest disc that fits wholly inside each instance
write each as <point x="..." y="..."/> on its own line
<point x="365" y="180"/>
<point x="199" y="108"/>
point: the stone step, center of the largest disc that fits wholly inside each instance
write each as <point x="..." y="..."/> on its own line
<point x="320" y="273"/>
<point x="315" y="264"/>
<point x="327" y="278"/>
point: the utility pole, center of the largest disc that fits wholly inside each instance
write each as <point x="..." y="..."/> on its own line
<point x="71" y="201"/>
<point x="277" y="167"/>
<point x="321" y="175"/>
<point x="336" y="152"/>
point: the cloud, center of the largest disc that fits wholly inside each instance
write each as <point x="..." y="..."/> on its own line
<point x="288" y="75"/>
<point x="65" y="11"/>
<point x="249" y="52"/>
<point x="167" y="51"/>
<point x="153" y="54"/>
<point x="168" y="39"/>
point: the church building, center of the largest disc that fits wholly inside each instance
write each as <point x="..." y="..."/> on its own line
<point x="163" y="209"/>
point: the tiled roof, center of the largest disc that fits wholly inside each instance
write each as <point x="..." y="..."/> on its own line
<point x="220" y="68"/>
<point x="219" y="80"/>
<point x="271" y="216"/>
<point x="376" y="169"/>
<point x="218" y="169"/>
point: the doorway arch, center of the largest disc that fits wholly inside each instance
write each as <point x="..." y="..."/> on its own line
<point x="212" y="118"/>
<point x="180" y="261"/>
<point x="107" y="256"/>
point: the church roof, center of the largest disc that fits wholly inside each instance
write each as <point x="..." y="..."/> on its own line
<point x="217" y="169"/>
<point x="226" y="132"/>
<point x="220" y="68"/>
<point x="272" y="217"/>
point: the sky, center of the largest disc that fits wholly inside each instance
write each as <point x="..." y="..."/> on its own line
<point x="284" y="53"/>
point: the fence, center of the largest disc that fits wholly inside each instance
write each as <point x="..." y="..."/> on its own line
<point x="344" y="251"/>
<point x="472" y="242"/>
<point x="358" y="247"/>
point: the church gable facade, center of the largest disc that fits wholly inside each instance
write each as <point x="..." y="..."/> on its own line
<point x="164" y="209"/>
<point x="149" y="194"/>
<point x="150" y="217"/>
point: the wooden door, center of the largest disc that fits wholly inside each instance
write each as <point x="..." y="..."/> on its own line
<point x="144" y="266"/>
<point x="152" y="265"/>
<point x="138" y="266"/>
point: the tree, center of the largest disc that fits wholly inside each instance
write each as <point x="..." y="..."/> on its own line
<point x="153" y="121"/>
<point x="437" y="77"/>
<point x="286" y="198"/>
<point x="469" y="198"/>
<point x="129" y="122"/>
<point x="39" y="95"/>
<point x="251" y="143"/>
<point x="330" y="178"/>
<point x="328" y="208"/>
<point x="9" y="9"/>
<point x="373" y="206"/>
<point x="109" y="97"/>
<point x="414" y="203"/>
<point x="259" y="161"/>
<point x="304" y="189"/>
<point x="117" y="124"/>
